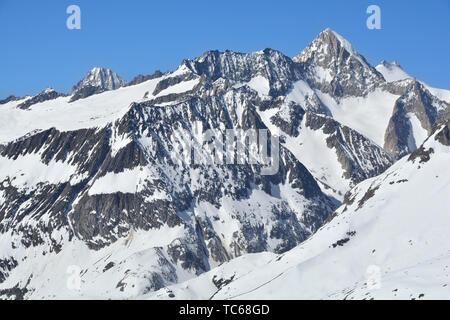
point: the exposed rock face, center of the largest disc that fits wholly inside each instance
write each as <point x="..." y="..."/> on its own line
<point x="202" y="200"/>
<point x="100" y="77"/>
<point x="332" y="65"/>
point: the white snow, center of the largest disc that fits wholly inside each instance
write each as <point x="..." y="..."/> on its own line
<point x="349" y="47"/>
<point x="55" y="275"/>
<point x="128" y="181"/>
<point x="325" y="168"/>
<point x="27" y="171"/>
<point x="441" y="94"/>
<point x="392" y="71"/>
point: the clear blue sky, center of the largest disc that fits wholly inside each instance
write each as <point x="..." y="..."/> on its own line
<point x="137" y="36"/>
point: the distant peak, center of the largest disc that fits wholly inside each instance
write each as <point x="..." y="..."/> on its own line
<point x="101" y="77"/>
<point x="392" y="71"/>
<point x="330" y="43"/>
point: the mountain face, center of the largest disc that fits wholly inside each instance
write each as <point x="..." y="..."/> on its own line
<point x="100" y="77"/>
<point x="133" y="187"/>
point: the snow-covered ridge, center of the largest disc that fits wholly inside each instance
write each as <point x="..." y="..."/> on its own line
<point x="98" y="179"/>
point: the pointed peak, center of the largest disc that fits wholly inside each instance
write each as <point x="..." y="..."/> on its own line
<point x="329" y="42"/>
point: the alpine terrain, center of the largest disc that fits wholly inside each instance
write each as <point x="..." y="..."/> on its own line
<point x="335" y="182"/>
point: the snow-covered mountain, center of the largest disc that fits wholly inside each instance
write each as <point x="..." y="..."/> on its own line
<point x="96" y="81"/>
<point x="389" y="240"/>
<point x="392" y="71"/>
<point x="99" y="179"/>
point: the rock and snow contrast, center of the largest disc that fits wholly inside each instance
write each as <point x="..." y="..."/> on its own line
<point x="93" y="184"/>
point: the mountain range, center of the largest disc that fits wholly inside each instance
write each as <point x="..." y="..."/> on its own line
<point x="94" y="181"/>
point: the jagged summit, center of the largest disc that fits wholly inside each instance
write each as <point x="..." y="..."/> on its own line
<point x="392" y="71"/>
<point x="48" y="90"/>
<point x="47" y="94"/>
<point x="269" y="67"/>
<point x="102" y="78"/>
<point x="332" y="64"/>
<point x="331" y="43"/>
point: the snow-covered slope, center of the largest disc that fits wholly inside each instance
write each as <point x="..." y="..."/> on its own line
<point x="389" y="240"/>
<point x="392" y="71"/>
<point x="100" y="77"/>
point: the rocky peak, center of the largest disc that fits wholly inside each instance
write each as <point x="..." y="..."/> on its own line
<point x="102" y="78"/>
<point x="47" y="94"/>
<point x="329" y="42"/>
<point x="9" y="99"/>
<point x="333" y="65"/>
